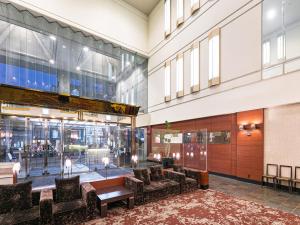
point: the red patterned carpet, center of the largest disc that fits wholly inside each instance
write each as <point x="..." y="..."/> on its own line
<point x="200" y="207"/>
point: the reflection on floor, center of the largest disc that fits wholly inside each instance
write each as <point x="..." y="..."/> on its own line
<point x="256" y="193"/>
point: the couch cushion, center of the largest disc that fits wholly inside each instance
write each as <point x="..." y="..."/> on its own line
<point x="143" y="175"/>
<point x="190" y="181"/>
<point x="27" y="216"/>
<point x="64" y="207"/>
<point x="178" y="168"/>
<point x="15" y="197"/>
<point x="67" y="189"/>
<point x="160" y="185"/>
<point x="156" y="173"/>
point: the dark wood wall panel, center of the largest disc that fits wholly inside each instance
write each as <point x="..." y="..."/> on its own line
<point x="250" y="149"/>
<point x="243" y="157"/>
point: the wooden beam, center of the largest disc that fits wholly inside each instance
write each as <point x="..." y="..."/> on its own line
<point x="21" y="96"/>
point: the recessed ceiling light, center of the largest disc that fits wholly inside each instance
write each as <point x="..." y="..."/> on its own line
<point x="63" y="46"/>
<point x="77" y="68"/>
<point x="51" y="61"/>
<point x="271" y="14"/>
<point x="52" y="37"/>
<point x="86" y="49"/>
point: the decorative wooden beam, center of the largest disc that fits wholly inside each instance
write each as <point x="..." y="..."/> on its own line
<point x="21" y="96"/>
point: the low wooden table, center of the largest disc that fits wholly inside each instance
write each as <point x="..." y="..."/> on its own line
<point x="113" y="194"/>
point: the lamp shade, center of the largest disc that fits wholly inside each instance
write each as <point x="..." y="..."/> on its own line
<point x="68" y="163"/>
<point x="16" y="167"/>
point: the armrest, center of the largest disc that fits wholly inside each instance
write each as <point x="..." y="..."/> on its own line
<point x="89" y="195"/>
<point x="46" y="206"/>
<point x="194" y="174"/>
<point x="135" y="185"/>
<point x="176" y="176"/>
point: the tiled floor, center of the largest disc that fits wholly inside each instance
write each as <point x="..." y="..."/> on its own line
<point x="253" y="192"/>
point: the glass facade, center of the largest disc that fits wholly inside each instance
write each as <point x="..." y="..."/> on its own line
<point x="44" y="55"/>
<point x="281" y="35"/>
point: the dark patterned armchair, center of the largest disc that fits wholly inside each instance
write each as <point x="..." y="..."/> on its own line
<point x="72" y="204"/>
<point x="148" y="187"/>
<point x="192" y="178"/>
<point x="16" y="205"/>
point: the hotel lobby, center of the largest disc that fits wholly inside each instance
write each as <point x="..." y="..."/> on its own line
<point x="149" y="112"/>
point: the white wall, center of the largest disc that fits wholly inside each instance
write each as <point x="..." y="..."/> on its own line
<point x="242" y="87"/>
<point x="112" y="20"/>
<point x="282" y="142"/>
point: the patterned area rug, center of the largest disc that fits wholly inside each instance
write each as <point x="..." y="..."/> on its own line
<point x="200" y="207"/>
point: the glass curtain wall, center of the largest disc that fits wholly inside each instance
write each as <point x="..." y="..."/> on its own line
<point x="281" y="37"/>
<point x="42" y="146"/>
<point x="44" y="55"/>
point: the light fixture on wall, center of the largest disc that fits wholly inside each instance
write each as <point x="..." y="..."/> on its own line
<point x="249" y="128"/>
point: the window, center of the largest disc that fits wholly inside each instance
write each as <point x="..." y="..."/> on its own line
<point x="195" y="5"/>
<point x="167" y="81"/>
<point x="167" y="17"/>
<point x="179" y="75"/>
<point x="214" y="57"/>
<point x="281" y="47"/>
<point x="266" y="53"/>
<point x="195" y="86"/>
<point x="179" y="12"/>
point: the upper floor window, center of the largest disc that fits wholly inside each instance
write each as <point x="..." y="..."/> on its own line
<point x="195" y="5"/>
<point x="266" y="53"/>
<point x="195" y="84"/>
<point x="179" y="11"/>
<point x="167" y="81"/>
<point x="167" y="17"/>
<point x="281" y="47"/>
<point x="214" y="57"/>
<point x="179" y="75"/>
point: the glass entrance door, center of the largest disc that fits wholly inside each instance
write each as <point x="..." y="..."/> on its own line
<point x="44" y="146"/>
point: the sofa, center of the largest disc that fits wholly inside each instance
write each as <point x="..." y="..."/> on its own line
<point x="69" y="203"/>
<point x="16" y="206"/>
<point x="151" y="186"/>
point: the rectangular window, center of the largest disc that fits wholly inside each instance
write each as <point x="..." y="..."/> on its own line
<point x="214" y="57"/>
<point x="167" y="81"/>
<point x="195" y="5"/>
<point x="281" y="47"/>
<point x="167" y="17"/>
<point x="266" y="53"/>
<point x="179" y="75"/>
<point x="179" y="11"/>
<point x="195" y="84"/>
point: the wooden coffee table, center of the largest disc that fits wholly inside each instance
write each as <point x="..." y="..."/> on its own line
<point x="113" y="194"/>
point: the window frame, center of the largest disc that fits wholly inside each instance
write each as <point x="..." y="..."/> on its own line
<point x="179" y="18"/>
<point x="215" y="77"/>
<point x="167" y="27"/>
<point x="179" y="75"/>
<point x="167" y="68"/>
<point x="195" y="87"/>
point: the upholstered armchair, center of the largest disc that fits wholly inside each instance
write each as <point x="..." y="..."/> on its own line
<point x="192" y="176"/>
<point x="16" y="205"/>
<point x="149" y="187"/>
<point x="186" y="183"/>
<point x="72" y="203"/>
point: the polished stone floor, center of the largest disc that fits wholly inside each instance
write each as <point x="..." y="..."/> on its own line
<point x="289" y="202"/>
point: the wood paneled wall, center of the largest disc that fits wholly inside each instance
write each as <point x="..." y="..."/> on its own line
<point x="243" y="157"/>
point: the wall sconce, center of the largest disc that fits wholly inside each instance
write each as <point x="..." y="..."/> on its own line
<point x="176" y="155"/>
<point x="249" y="128"/>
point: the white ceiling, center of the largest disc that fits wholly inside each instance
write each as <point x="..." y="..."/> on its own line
<point x="144" y="6"/>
